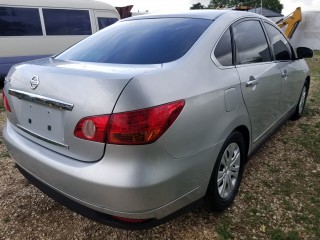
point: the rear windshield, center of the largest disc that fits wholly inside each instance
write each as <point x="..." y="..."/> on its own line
<point x="147" y="41"/>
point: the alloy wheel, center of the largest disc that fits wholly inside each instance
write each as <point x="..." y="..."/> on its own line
<point x="228" y="170"/>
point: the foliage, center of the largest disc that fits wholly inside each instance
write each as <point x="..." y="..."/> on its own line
<point x="273" y="5"/>
<point x="197" y="6"/>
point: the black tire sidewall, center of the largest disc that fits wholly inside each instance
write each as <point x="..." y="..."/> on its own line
<point x="214" y="200"/>
<point x="304" y="104"/>
<point x="298" y="114"/>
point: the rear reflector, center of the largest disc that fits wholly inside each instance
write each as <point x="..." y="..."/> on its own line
<point x="142" y="126"/>
<point x="92" y="128"/>
<point x="6" y="102"/>
<point x="130" y="128"/>
<point x="130" y="220"/>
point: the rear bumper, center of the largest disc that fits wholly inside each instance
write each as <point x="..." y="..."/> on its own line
<point x="128" y="186"/>
<point x="98" y="216"/>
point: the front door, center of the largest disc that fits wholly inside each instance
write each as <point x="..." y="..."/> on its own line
<point x="290" y="69"/>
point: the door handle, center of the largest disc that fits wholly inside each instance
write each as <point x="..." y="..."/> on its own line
<point x="252" y="82"/>
<point x="284" y="74"/>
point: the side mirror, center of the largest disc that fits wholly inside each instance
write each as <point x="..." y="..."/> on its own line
<point x="304" y="52"/>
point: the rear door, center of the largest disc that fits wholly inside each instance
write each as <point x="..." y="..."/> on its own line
<point x="259" y="75"/>
<point x="104" y="18"/>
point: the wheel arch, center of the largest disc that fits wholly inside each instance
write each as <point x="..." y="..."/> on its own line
<point x="246" y="135"/>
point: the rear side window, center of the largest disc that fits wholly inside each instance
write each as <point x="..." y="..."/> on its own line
<point x="281" y="47"/>
<point x="105" y="22"/>
<point x="223" y="50"/>
<point x="251" y="43"/>
<point x="67" y="22"/>
<point x="20" y="21"/>
<point x="145" y="41"/>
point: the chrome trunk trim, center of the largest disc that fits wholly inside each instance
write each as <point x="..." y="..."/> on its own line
<point x="50" y="102"/>
<point x="42" y="138"/>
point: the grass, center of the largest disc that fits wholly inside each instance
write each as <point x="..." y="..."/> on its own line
<point x="224" y="231"/>
<point x="278" y="234"/>
<point x="287" y="187"/>
<point x="6" y="219"/>
<point x="288" y="206"/>
<point x="4" y="154"/>
<point x="311" y="139"/>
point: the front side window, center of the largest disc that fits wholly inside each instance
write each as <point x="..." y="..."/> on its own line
<point x="144" y="41"/>
<point x="20" y="21"/>
<point x="223" y="50"/>
<point x="67" y="22"/>
<point x="251" y="43"/>
<point x="105" y="22"/>
<point x="281" y="47"/>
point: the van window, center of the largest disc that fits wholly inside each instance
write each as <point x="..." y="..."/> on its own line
<point x="20" y="21"/>
<point x="67" y="22"/>
<point x="105" y="22"/>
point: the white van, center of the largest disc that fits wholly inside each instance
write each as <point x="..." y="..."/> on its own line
<point x="31" y="29"/>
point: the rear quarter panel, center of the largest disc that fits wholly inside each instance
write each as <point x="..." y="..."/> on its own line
<point x="204" y="121"/>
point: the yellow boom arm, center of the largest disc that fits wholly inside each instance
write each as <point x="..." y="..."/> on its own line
<point x="291" y="21"/>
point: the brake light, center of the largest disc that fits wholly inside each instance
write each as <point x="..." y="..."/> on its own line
<point x="130" y="220"/>
<point x="142" y="126"/>
<point x="130" y="128"/>
<point x="6" y="102"/>
<point x="92" y="128"/>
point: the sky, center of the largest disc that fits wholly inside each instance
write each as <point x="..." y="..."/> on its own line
<point x="164" y="5"/>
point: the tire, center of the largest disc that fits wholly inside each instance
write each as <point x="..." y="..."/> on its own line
<point x="229" y="168"/>
<point x="301" y="103"/>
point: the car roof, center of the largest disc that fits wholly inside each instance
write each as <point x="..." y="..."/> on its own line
<point x="202" y="14"/>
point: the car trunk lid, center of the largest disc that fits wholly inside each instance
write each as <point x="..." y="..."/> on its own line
<point x="48" y="97"/>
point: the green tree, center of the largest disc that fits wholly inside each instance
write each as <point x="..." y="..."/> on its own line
<point x="216" y="4"/>
<point x="273" y="5"/>
<point x="197" y="6"/>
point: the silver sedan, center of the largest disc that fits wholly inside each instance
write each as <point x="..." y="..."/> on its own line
<point x="153" y="113"/>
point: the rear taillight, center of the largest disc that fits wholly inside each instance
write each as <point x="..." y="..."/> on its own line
<point x="92" y="128"/>
<point x="6" y="102"/>
<point x="130" y="128"/>
<point x="142" y="126"/>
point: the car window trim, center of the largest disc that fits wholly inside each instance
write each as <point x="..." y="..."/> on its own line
<point x="213" y="56"/>
<point x="234" y="53"/>
<point x="273" y="57"/>
<point x="237" y="63"/>
<point x="292" y="52"/>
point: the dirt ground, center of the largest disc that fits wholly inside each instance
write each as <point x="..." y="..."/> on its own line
<point x="279" y="197"/>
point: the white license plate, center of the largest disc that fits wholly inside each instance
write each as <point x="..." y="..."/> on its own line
<point x="42" y="120"/>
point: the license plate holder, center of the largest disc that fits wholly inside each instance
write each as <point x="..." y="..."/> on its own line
<point x="43" y="120"/>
